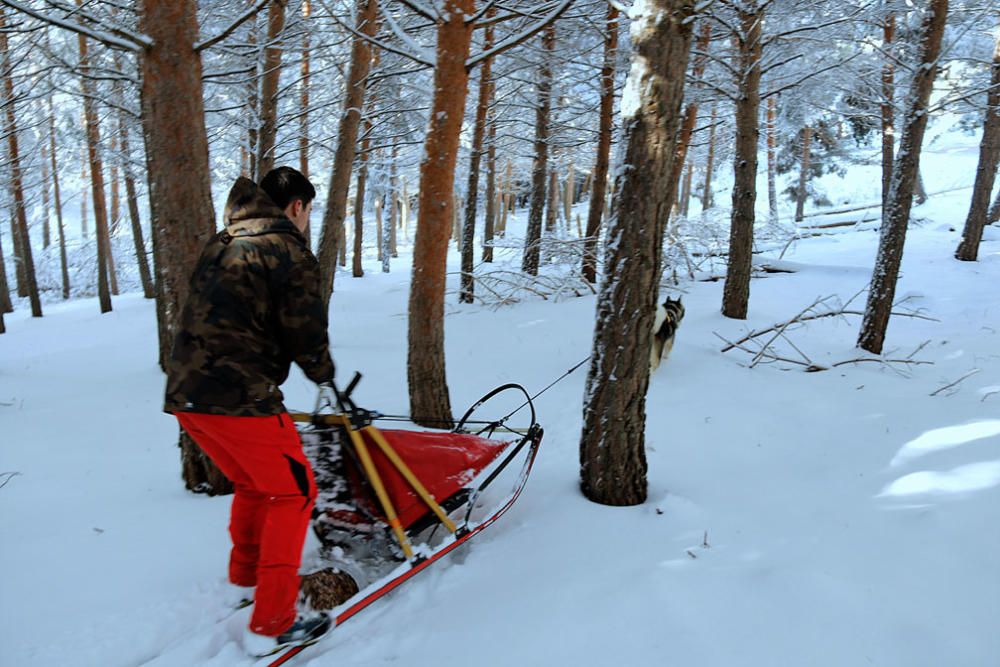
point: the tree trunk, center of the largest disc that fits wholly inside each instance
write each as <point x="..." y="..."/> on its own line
<point x="429" y="401"/>
<point x="772" y="164"/>
<point x="347" y="140"/>
<point x="800" y="196"/>
<point x="539" y="171"/>
<point x="357" y="270"/>
<point x="612" y="447"/>
<point x="253" y="99"/>
<point x="993" y="216"/>
<point x="989" y="156"/>
<point x="569" y="195"/>
<point x="904" y="176"/>
<point x="183" y="217"/>
<point x="5" y="304"/>
<point x="84" y="177"/>
<point x="919" y="191"/>
<point x="305" y="75"/>
<point x="736" y="293"/>
<point x="888" y="107"/>
<point x="552" y="208"/>
<point x="686" y="191"/>
<point x="269" y="87"/>
<point x="132" y="198"/>
<point x="379" y="230"/>
<point x="21" y="238"/>
<point x="691" y="112"/>
<point x="57" y="200"/>
<point x="706" y="194"/>
<point x="96" y="179"/>
<point x="46" y="207"/>
<point x="491" y="183"/>
<point x="389" y="240"/>
<point x="114" y="213"/>
<point x="467" y="289"/>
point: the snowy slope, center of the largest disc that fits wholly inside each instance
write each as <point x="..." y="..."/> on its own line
<point x="850" y="516"/>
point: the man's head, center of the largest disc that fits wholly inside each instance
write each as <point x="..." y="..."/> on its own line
<point x="292" y="192"/>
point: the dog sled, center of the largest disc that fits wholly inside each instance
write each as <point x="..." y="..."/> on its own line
<point x="391" y="502"/>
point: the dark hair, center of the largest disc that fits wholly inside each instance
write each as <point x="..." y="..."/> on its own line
<point x="284" y="185"/>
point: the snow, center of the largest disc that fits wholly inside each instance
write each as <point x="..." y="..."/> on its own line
<point x="844" y="517"/>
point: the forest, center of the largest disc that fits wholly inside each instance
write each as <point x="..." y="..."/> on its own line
<point x="536" y="178"/>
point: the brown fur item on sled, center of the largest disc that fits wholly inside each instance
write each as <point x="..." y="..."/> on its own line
<point x="326" y="589"/>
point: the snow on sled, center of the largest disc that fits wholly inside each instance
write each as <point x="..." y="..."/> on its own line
<point x="392" y="502"/>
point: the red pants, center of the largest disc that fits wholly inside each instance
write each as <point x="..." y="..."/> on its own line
<point x="275" y="492"/>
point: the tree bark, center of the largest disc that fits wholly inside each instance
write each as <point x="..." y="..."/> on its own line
<point x="800" y="196"/>
<point x="888" y="107"/>
<point x="269" y="87"/>
<point x="96" y="179"/>
<point x="772" y="163"/>
<point x="253" y="99"/>
<point x="132" y="198"/>
<point x="347" y="140"/>
<point x="539" y="171"/>
<point x="686" y="191"/>
<point x="736" y="293"/>
<point x="429" y="401"/>
<point x="46" y="206"/>
<point x="183" y="217"/>
<point x="5" y="304"/>
<point x="57" y="201"/>
<point x="904" y="175"/>
<point x="993" y="216"/>
<point x="491" y="183"/>
<point x="612" y="446"/>
<point x="989" y="157"/>
<point x="389" y="241"/>
<point x="552" y="194"/>
<point x="305" y="75"/>
<point x="114" y="212"/>
<point x="467" y="289"/>
<point x="706" y="194"/>
<point x="599" y="181"/>
<point x="357" y="270"/>
<point x="21" y="238"/>
<point x="691" y="111"/>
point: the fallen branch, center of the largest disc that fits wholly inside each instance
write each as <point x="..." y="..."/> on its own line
<point x="952" y="384"/>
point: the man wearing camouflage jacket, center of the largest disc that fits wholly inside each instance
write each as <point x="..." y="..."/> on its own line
<point x="255" y="307"/>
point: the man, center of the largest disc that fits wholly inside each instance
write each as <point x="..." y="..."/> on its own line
<point x="255" y="307"/>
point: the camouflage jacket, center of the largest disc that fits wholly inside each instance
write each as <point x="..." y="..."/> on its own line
<point x="254" y="307"/>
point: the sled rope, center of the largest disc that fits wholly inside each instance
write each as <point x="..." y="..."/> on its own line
<point x="494" y="424"/>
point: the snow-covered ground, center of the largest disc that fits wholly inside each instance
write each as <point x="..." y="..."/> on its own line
<point x="831" y="519"/>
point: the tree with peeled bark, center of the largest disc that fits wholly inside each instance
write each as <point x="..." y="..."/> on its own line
<point x="332" y="239"/>
<point x="772" y="163"/>
<point x="612" y="447"/>
<point x="989" y="157"/>
<point x="905" y="169"/>
<point x="269" y="88"/>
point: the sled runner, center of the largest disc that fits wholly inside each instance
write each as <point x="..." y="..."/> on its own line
<point x="392" y="502"/>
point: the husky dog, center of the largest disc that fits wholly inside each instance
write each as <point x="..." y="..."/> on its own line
<point x="668" y="318"/>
